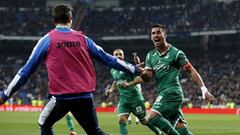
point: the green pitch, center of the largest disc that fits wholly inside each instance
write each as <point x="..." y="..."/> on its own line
<point x="25" y="123"/>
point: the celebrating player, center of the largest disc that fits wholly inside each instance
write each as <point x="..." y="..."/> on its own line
<point x="131" y="98"/>
<point x="165" y="62"/>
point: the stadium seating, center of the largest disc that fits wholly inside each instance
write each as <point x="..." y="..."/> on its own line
<point x="129" y="18"/>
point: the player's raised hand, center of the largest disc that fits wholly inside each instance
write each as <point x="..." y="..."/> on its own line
<point x="136" y="59"/>
<point x="108" y="92"/>
<point x="3" y="97"/>
<point x="209" y="97"/>
<point x="138" y="63"/>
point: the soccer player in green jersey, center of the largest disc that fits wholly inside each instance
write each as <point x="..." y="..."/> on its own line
<point x="164" y="62"/>
<point x="70" y="124"/>
<point x="131" y="98"/>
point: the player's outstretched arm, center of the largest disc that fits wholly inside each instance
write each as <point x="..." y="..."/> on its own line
<point x="198" y="80"/>
<point x="24" y="73"/>
<point x="111" y="61"/>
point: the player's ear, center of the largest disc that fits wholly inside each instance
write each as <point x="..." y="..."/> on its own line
<point x="53" y="21"/>
<point x="165" y="33"/>
<point x="69" y="19"/>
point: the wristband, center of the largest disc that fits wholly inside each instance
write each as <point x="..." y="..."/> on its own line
<point x="204" y="90"/>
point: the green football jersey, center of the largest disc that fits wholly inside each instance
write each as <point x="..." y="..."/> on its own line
<point x="130" y="94"/>
<point x="166" y="68"/>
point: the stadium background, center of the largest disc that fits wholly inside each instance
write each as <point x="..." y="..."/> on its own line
<point x="208" y="31"/>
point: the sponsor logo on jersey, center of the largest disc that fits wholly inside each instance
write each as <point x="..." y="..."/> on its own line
<point x="161" y="66"/>
<point x="68" y="44"/>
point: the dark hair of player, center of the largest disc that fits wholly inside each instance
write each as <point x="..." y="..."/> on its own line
<point x="61" y="14"/>
<point x="158" y="25"/>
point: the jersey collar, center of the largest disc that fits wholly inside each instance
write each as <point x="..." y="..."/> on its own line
<point x="170" y="46"/>
<point x="64" y="28"/>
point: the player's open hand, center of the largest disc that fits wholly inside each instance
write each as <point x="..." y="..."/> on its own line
<point x="3" y="98"/>
<point x="136" y="59"/>
<point x="108" y="92"/>
<point x="124" y="84"/>
<point x="1" y="101"/>
<point x="209" y="97"/>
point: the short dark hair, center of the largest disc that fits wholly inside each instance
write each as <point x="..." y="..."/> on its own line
<point x="158" y="25"/>
<point x="61" y="13"/>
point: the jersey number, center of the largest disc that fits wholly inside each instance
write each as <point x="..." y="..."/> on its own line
<point x="139" y="109"/>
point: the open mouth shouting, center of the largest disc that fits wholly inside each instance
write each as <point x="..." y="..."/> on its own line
<point x="157" y="41"/>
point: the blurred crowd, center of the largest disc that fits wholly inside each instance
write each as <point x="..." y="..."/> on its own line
<point x="219" y="68"/>
<point x="35" y="88"/>
<point x="135" y="17"/>
<point x="129" y="18"/>
<point x="27" y="22"/>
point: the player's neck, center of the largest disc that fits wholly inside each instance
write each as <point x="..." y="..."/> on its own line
<point x="163" y="48"/>
<point x="62" y="25"/>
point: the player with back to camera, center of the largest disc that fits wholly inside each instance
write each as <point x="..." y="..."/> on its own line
<point x="164" y="63"/>
<point x="72" y="78"/>
<point x="131" y="98"/>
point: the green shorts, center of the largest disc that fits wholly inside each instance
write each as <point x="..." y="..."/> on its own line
<point x="168" y="104"/>
<point x="137" y="108"/>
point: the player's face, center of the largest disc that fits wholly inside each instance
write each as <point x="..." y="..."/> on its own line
<point x="119" y="54"/>
<point x="158" y="36"/>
